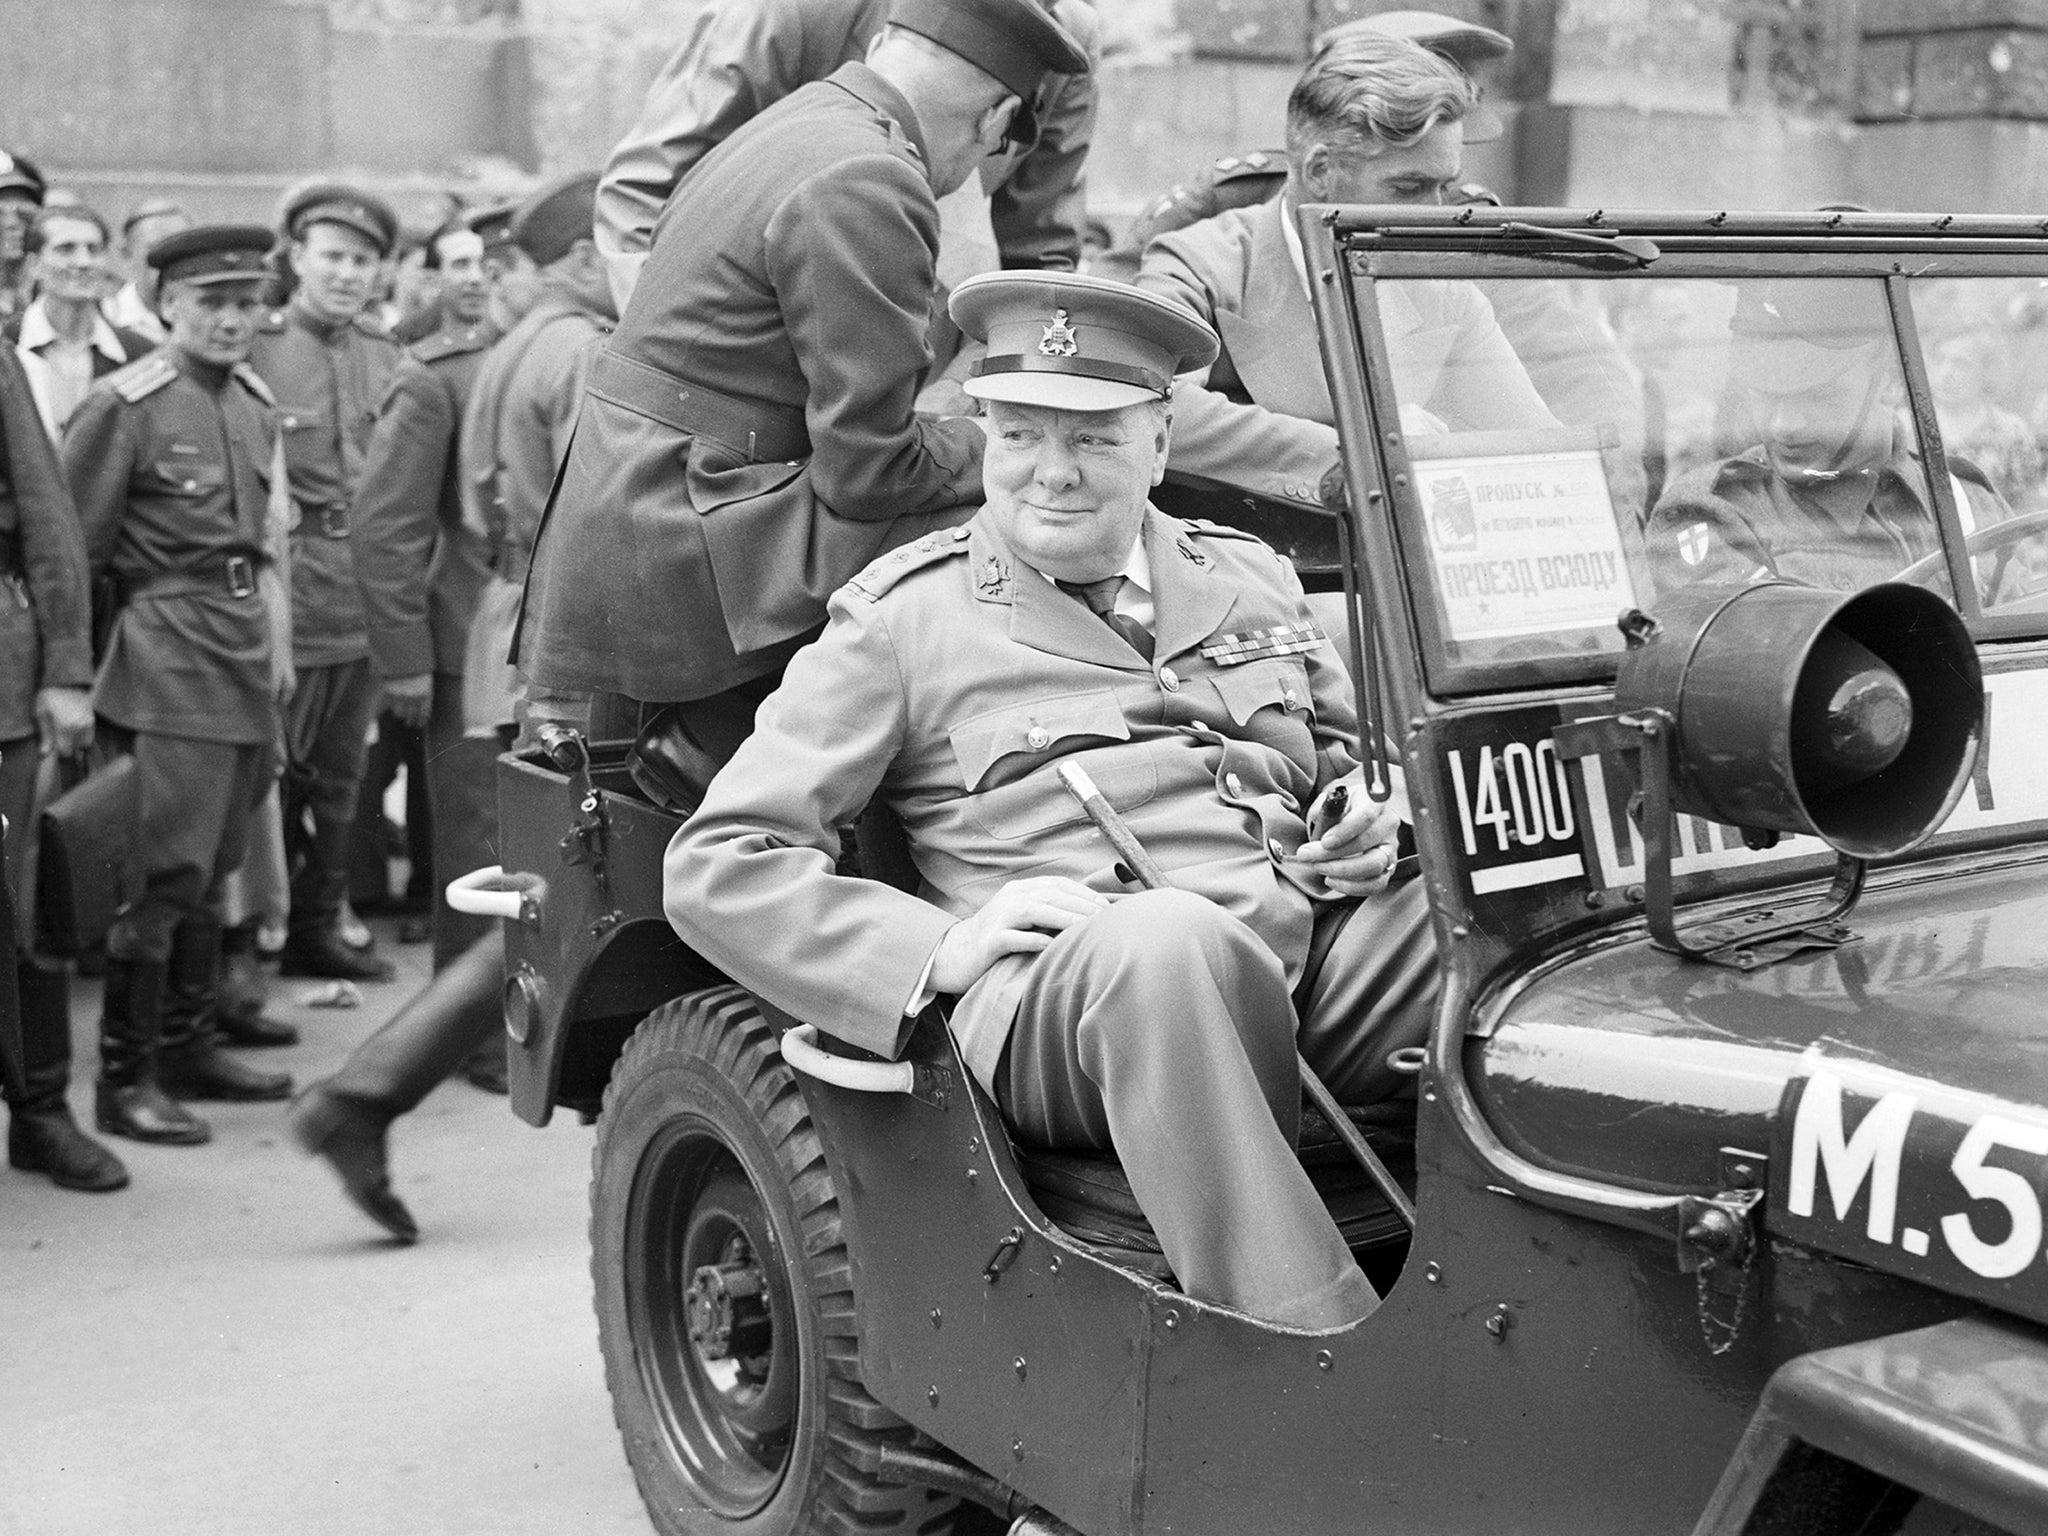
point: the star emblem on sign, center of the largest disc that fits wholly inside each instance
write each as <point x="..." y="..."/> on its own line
<point x="1059" y="339"/>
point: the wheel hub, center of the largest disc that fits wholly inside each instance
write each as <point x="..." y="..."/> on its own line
<point x="728" y="1308"/>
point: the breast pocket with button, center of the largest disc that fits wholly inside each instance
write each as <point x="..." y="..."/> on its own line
<point x="1270" y="703"/>
<point x="190" y="477"/>
<point x="1006" y="759"/>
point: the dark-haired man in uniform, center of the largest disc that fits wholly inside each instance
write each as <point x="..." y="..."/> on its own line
<point x="1177" y="663"/>
<point x="330" y="369"/>
<point x="747" y="439"/>
<point x="175" y="466"/>
<point x="1835" y="492"/>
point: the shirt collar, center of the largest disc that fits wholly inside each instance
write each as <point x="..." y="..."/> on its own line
<point x="1136" y="569"/>
<point x="1292" y="236"/>
<point x="37" y="332"/>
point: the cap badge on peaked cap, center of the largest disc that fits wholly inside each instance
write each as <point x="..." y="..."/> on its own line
<point x="1059" y="339"/>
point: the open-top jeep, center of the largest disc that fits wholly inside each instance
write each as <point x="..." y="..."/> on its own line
<point x="1727" y="1154"/>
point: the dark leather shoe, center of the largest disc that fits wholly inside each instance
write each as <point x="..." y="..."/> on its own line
<point x="252" y="1030"/>
<point x="49" y="1141"/>
<point x="144" y="1112"/>
<point x="349" y="1135"/>
<point x="199" y="1069"/>
<point x="324" y="954"/>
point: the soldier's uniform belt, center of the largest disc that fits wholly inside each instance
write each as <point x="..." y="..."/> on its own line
<point x="761" y="429"/>
<point x="235" y="576"/>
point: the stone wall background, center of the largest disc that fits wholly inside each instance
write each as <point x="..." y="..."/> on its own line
<point x="1615" y="103"/>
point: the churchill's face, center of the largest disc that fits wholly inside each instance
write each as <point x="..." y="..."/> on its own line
<point x="1067" y="489"/>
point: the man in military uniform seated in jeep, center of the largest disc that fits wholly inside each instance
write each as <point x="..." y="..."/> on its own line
<point x="1176" y="662"/>
<point x="1835" y="492"/>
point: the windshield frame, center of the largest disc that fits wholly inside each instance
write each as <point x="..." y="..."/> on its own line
<point x="1448" y="249"/>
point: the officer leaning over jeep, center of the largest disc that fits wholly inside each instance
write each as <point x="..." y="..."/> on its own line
<point x="176" y="468"/>
<point x="1178" y="663"/>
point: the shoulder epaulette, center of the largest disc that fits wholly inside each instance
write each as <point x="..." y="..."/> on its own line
<point x="884" y="572"/>
<point x="373" y="326"/>
<point x="442" y="344"/>
<point x="1750" y="464"/>
<point x="142" y="378"/>
<point x="273" y="323"/>
<point x="1263" y="163"/>
<point x="1216" y="530"/>
<point x="252" y="381"/>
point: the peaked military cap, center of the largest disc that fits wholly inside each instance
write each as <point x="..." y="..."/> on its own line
<point x="553" y="218"/>
<point x="1464" y="43"/>
<point x="214" y="253"/>
<point x="1017" y="41"/>
<point x="149" y="208"/>
<point x="1795" y="333"/>
<point x="494" y="225"/>
<point x="330" y="202"/>
<point x="18" y="174"/>
<point x="1076" y="343"/>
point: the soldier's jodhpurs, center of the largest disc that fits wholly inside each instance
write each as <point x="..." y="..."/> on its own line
<point x="326" y="733"/>
<point x="427" y="1039"/>
<point x="194" y="801"/>
<point x="1162" y="1028"/>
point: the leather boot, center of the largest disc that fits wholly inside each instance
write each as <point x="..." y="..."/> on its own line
<point x="41" y="1135"/>
<point x="190" y="1061"/>
<point x="314" y="945"/>
<point x="244" y="988"/>
<point x="129" y="1102"/>
<point x="348" y="1132"/>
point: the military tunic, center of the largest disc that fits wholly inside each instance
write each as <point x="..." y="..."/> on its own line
<point x="747" y="441"/>
<point x="422" y="574"/>
<point x="1739" y="521"/>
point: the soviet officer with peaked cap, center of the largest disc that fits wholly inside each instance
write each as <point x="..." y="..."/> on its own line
<point x="748" y="439"/>
<point x="1835" y="492"/>
<point x="1178" y="664"/>
<point x="330" y="367"/>
<point x="174" y="463"/>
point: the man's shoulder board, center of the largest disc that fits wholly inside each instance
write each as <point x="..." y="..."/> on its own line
<point x="252" y="381"/>
<point x="142" y="378"/>
<point x="444" y="344"/>
<point x="273" y="324"/>
<point x="1208" y="529"/>
<point x="883" y="573"/>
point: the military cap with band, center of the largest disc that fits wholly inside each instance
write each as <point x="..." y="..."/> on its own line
<point x="214" y="253"/>
<point x="1076" y="343"/>
<point x="1017" y="41"/>
<point x="1463" y="43"/>
<point x="18" y="174"/>
<point x="350" y="207"/>
<point x="1795" y="333"/>
<point x="554" y="217"/>
<point x="494" y="226"/>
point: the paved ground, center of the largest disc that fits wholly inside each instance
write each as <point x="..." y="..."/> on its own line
<point x="226" y="1347"/>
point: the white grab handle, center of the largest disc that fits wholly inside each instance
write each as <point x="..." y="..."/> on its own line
<point x="477" y="893"/>
<point x="800" y="1050"/>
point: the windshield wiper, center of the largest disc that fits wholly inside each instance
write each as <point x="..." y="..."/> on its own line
<point x="1638" y="249"/>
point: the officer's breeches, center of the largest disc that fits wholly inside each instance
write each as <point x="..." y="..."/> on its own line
<point x="194" y="801"/>
<point x="327" y="726"/>
<point x="1162" y="1028"/>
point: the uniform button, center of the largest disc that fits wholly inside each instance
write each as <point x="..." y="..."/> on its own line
<point x="1169" y="679"/>
<point x="958" y="533"/>
<point x="1289" y="697"/>
<point x="191" y="485"/>
<point x="1274" y="847"/>
<point x="1233" y="783"/>
<point x="1038" y="738"/>
<point x="291" y="421"/>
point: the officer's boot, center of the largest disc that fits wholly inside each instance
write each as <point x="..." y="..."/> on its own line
<point x="344" y="1118"/>
<point x="129" y="1102"/>
<point x="244" y="989"/>
<point x="315" y="946"/>
<point x="191" y="1064"/>
<point x="41" y="1135"/>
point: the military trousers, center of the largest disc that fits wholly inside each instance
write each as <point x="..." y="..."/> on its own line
<point x="326" y="736"/>
<point x="193" y="805"/>
<point x="462" y="787"/>
<point x="19" y="761"/>
<point x="1163" y="1029"/>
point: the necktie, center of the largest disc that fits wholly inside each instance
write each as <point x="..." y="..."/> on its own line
<point x="1101" y="597"/>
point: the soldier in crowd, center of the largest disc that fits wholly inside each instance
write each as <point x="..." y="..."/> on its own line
<point x="330" y="370"/>
<point x="45" y="707"/>
<point x="796" y="267"/>
<point x="64" y="339"/>
<point x="133" y="304"/>
<point x="175" y="464"/>
<point x="514" y="282"/>
<point x="740" y="57"/>
<point x="1161" y="1023"/>
<point x="22" y="190"/>
<point x="518" y="423"/>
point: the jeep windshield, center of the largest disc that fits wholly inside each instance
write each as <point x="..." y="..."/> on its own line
<point x="1564" y="447"/>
